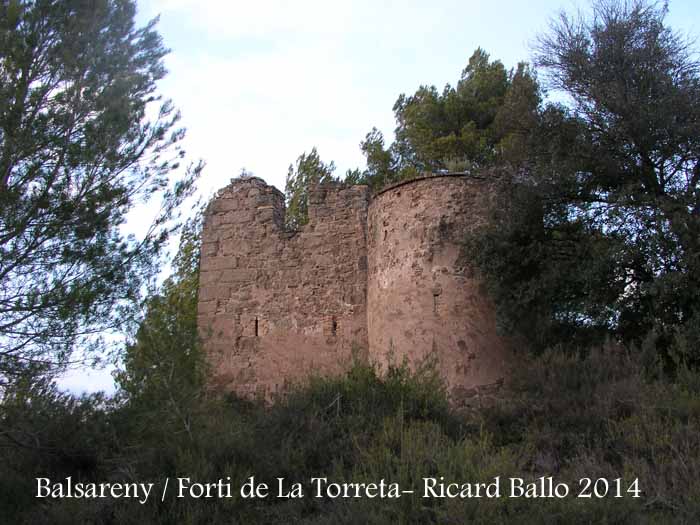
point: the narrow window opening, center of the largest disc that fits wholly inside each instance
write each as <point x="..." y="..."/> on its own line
<point x="256" y="327"/>
<point x="334" y="326"/>
<point x="437" y="290"/>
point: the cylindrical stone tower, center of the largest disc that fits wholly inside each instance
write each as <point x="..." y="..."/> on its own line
<point x="424" y="300"/>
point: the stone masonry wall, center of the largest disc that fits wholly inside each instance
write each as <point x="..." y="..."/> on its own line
<point x="424" y="300"/>
<point x="382" y="280"/>
<point x="275" y="306"/>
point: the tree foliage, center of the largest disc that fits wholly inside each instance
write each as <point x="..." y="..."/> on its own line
<point x="308" y="171"/>
<point x="162" y="372"/>
<point x="604" y="234"/>
<point x="485" y="118"/>
<point x="83" y="139"/>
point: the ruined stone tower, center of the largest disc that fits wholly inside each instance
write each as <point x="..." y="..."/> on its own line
<point x="381" y="278"/>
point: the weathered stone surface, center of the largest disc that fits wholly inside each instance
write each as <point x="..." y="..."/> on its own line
<point x="421" y="304"/>
<point x="288" y="303"/>
<point x="382" y="279"/>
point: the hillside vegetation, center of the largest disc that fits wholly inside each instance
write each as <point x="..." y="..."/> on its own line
<point x="565" y="416"/>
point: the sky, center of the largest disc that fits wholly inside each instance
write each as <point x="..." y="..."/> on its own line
<point x="260" y="82"/>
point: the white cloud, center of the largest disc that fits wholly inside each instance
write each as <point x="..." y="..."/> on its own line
<point x="260" y="18"/>
<point x="82" y="380"/>
<point x="269" y="80"/>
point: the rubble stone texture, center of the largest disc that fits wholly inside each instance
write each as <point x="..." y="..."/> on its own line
<point x="379" y="279"/>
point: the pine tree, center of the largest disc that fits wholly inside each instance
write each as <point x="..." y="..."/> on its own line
<point x="78" y="150"/>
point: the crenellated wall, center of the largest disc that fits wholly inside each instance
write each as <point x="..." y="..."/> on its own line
<point x="384" y="279"/>
<point x="276" y="305"/>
